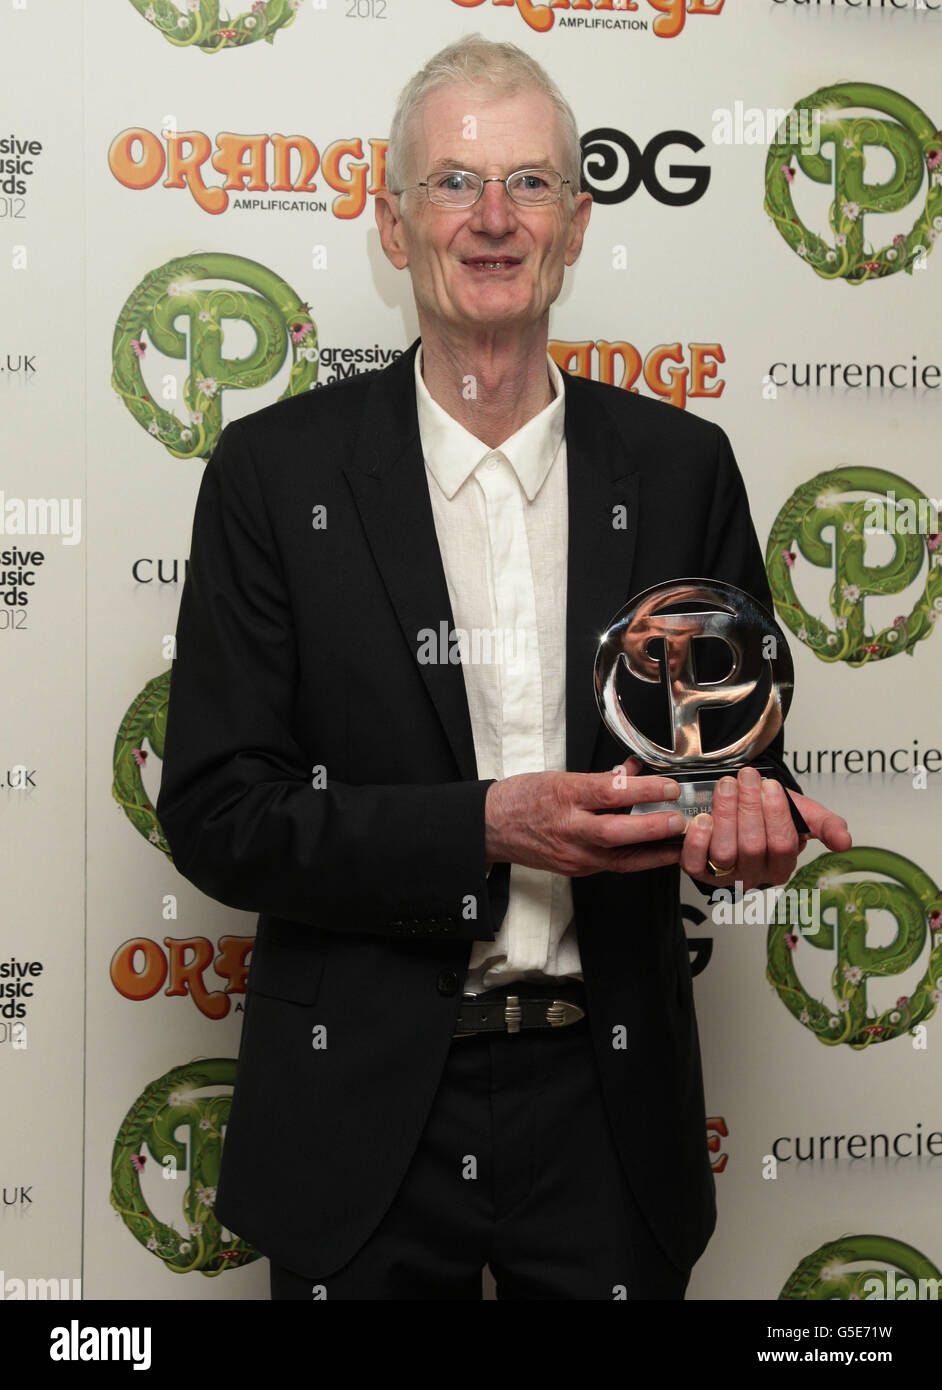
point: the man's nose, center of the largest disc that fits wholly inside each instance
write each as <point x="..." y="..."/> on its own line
<point x="494" y="210"/>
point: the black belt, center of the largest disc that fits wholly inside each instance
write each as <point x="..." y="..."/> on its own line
<point x="542" y="1007"/>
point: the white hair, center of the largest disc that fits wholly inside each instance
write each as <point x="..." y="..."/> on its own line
<point x="475" y="59"/>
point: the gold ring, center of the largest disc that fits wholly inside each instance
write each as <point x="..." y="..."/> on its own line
<point x="716" y="871"/>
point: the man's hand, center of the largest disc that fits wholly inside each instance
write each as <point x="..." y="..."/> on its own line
<point x="751" y="833"/>
<point x="558" y="821"/>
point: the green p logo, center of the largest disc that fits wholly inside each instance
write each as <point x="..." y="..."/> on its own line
<point x="196" y="23"/>
<point x="820" y="523"/>
<point x="915" y="147"/>
<point x="170" y="313"/>
<point x="881" y="882"/>
<point x="168" y="1106"/>
<point x="145" y="719"/>
<point x="828" y="1273"/>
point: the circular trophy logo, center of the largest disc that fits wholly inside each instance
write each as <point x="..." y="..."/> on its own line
<point x="653" y="642"/>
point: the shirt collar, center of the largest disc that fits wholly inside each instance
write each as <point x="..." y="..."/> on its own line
<point x="452" y="453"/>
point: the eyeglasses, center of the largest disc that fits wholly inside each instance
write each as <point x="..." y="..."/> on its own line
<point x="459" y="188"/>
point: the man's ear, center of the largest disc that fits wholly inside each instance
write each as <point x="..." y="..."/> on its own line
<point x="577" y="226"/>
<point x="389" y="220"/>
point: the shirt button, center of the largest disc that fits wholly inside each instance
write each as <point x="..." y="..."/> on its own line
<point x="448" y="982"/>
<point x="492" y="463"/>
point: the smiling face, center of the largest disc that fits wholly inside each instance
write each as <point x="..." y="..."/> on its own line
<point x="495" y="265"/>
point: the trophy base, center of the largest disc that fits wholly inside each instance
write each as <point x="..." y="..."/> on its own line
<point x="697" y="789"/>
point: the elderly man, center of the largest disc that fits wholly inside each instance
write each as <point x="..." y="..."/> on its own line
<point x="469" y="1034"/>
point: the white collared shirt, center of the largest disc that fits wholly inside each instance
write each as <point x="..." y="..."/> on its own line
<point x="501" y="517"/>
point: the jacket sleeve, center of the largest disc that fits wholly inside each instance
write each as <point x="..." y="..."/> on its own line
<point x="734" y="555"/>
<point x="237" y="802"/>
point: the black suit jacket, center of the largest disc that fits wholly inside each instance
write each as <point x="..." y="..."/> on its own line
<point x="296" y="651"/>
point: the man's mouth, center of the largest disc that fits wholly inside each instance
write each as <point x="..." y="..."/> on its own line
<point x="491" y="264"/>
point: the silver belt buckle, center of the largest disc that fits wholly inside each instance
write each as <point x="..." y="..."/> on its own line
<point x="560" y="1014"/>
<point x="513" y="1014"/>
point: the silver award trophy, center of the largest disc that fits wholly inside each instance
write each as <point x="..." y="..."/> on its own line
<point x="684" y="650"/>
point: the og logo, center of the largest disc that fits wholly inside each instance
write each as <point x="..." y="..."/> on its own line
<point x="821" y="505"/>
<point x="882" y="881"/>
<point x="151" y="322"/>
<point x="915" y="147"/>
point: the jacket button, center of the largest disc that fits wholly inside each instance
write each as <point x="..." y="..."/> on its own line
<point x="448" y="982"/>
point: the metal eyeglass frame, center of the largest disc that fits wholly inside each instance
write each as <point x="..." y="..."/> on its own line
<point x="469" y="173"/>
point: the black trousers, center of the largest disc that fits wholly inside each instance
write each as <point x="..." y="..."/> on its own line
<point x="516" y="1168"/>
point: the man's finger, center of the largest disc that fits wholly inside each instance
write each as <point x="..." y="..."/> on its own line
<point x="750" y="824"/>
<point x="780" y="834"/>
<point x="619" y="831"/>
<point x="608" y="791"/>
<point x="697" y="846"/>
<point x="834" y="832"/>
<point x="724" y="844"/>
<point x="826" y="826"/>
<point x="644" y="857"/>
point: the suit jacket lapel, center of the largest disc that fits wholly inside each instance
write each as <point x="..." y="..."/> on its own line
<point x="387" y="476"/>
<point x="603" y="520"/>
